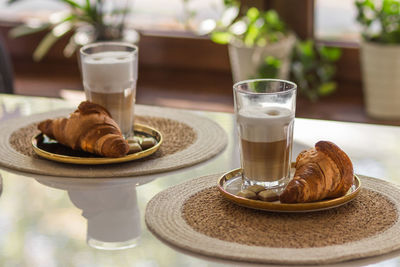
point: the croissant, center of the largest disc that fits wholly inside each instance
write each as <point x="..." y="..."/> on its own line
<point x="322" y="172"/>
<point x="89" y="128"/>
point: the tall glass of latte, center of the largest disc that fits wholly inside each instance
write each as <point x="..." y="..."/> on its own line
<point x="109" y="73"/>
<point x="265" y="111"/>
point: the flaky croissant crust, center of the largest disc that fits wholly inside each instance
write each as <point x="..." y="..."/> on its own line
<point x="322" y="172"/>
<point x="89" y="128"/>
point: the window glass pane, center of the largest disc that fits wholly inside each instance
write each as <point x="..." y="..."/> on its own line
<point x="24" y="9"/>
<point x="336" y="20"/>
<point x="145" y="14"/>
<point x="174" y="14"/>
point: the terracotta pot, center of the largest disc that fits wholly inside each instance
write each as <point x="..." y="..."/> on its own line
<point x="245" y="61"/>
<point x="380" y="65"/>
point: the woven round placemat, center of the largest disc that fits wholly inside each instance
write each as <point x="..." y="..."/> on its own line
<point x="188" y="139"/>
<point x="177" y="136"/>
<point x="193" y="216"/>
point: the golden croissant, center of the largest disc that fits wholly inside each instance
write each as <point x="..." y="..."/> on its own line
<point x="321" y="172"/>
<point x="89" y="128"/>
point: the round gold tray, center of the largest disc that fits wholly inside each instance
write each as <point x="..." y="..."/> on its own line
<point x="52" y="150"/>
<point x="230" y="184"/>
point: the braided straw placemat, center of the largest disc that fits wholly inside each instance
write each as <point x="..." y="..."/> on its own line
<point x="177" y="136"/>
<point x="188" y="139"/>
<point x="193" y="216"/>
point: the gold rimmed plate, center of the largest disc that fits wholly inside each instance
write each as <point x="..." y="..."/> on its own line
<point x="52" y="150"/>
<point x="230" y="183"/>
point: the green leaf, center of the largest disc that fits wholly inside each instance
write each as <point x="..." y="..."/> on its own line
<point x="369" y="3"/>
<point x="221" y="37"/>
<point x="269" y="68"/>
<point x="231" y="2"/>
<point x="72" y="4"/>
<point x="23" y="30"/>
<point x="238" y="28"/>
<point x="390" y="7"/>
<point x="253" y="14"/>
<point x="71" y="47"/>
<point x="385" y="13"/>
<point x="206" y="27"/>
<point x="48" y="41"/>
<point x="91" y="12"/>
<point x="251" y="35"/>
<point x="306" y="48"/>
<point x="330" y="53"/>
<point x="313" y="69"/>
<point x="229" y="15"/>
<point x="273" y="61"/>
<point x="326" y="88"/>
<point x="62" y="17"/>
<point x="254" y="28"/>
<point x="257" y="86"/>
<point x="325" y="72"/>
<point x="44" y="46"/>
<point x="272" y="17"/>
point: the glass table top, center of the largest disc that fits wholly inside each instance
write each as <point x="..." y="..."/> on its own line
<point x="53" y="221"/>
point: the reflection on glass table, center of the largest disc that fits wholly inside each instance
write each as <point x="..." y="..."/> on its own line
<point x="111" y="211"/>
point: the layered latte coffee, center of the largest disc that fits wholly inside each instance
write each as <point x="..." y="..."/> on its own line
<point x="109" y="79"/>
<point x="266" y="135"/>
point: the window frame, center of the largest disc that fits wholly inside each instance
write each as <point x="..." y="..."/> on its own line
<point x="301" y="18"/>
<point x="169" y="49"/>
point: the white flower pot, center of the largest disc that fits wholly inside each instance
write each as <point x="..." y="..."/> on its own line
<point x="380" y="66"/>
<point x="245" y="61"/>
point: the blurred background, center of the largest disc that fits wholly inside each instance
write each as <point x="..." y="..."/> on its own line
<point x="189" y="48"/>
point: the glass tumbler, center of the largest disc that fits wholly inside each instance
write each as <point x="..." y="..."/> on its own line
<point x="265" y="112"/>
<point x="109" y="73"/>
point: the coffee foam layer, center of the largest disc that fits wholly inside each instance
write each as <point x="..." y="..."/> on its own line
<point x="109" y="71"/>
<point x="267" y="124"/>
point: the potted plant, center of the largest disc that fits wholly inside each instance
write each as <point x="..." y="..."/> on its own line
<point x="380" y="56"/>
<point x="88" y="21"/>
<point x="312" y="69"/>
<point x="251" y="38"/>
